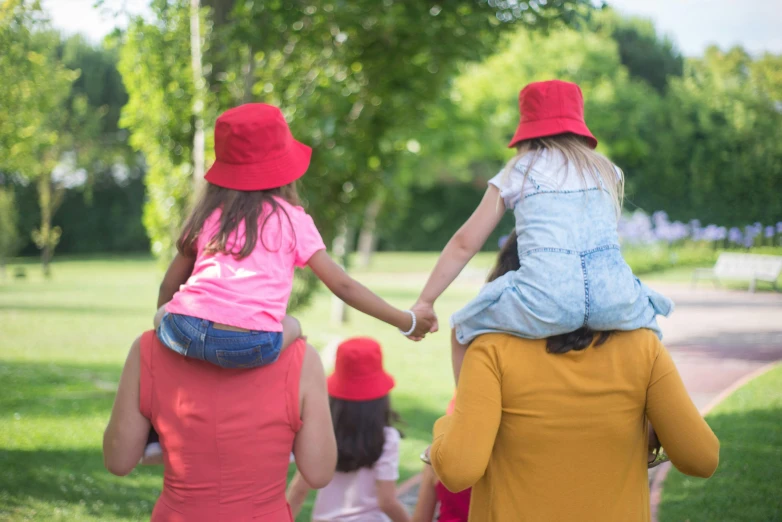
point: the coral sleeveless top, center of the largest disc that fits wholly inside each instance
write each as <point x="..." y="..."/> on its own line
<point x="226" y="434"/>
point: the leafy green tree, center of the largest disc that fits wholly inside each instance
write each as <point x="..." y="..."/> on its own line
<point x="469" y="133"/>
<point x="353" y="78"/>
<point x="719" y="142"/>
<point x="34" y="110"/>
<point x="155" y="67"/>
<point x="9" y="238"/>
<point x="647" y="55"/>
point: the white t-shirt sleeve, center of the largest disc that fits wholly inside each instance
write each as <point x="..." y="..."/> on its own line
<point x="510" y="184"/>
<point x="387" y="466"/>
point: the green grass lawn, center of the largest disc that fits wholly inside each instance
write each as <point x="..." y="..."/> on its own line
<point x="63" y="342"/>
<point x="62" y="345"/>
<point x="748" y="483"/>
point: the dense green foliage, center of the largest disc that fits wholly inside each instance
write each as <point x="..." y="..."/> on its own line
<point x="155" y="68"/>
<point x="327" y="66"/>
<point x="704" y="146"/>
<point x="410" y="129"/>
<point x="715" y="151"/>
<point x="9" y="235"/>
<point x="59" y="132"/>
<point x="36" y="111"/>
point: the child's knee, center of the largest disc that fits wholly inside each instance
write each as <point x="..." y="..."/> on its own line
<point x="291" y="325"/>
<point x="159" y="316"/>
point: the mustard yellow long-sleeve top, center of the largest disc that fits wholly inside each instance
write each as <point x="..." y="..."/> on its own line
<point x="549" y="438"/>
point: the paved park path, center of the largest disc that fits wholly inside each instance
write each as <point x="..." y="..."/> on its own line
<point x="717" y="338"/>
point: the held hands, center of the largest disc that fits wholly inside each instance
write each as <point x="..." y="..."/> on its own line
<point x="426" y="320"/>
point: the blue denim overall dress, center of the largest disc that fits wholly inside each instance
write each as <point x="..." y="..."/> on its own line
<point x="571" y="274"/>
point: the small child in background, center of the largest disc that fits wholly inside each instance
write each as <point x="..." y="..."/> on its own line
<point x="364" y="486"/>
<point x="453" y="507"/>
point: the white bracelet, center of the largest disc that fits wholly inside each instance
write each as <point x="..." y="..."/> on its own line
<point x="412" y="328"/>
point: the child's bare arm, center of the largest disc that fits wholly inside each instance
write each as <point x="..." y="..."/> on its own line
<point x="388" y="503"/>
<point x="467" y="242"/>
<point x="361" y="298"/>
<point x="177" y="274"/>
<point x="297" y="493"/>
<point x="427" y="497"/>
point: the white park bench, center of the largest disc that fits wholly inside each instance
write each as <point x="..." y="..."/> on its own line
<point x="745" y="267"/>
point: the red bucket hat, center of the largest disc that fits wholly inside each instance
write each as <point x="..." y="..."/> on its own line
<point x="549" y="108"/>
<point x="358" y="371"/>
<point x="255" y="150"/>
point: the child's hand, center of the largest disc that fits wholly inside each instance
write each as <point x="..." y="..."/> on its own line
<point x="423" y="309"/>
<point x="423" y="324"/>
<point x="426" y="321"/>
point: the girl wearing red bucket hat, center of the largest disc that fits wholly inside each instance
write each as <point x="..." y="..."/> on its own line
<point x="566" y="199"/>
<point x="225" y="295"/>
<point x="364" y="486"/>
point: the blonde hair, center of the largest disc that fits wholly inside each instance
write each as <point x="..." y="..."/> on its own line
<point x="575" y="151"/>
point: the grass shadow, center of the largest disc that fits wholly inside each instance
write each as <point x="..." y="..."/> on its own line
<point x="92" y="310"/>
<point x="33" y="389"/>
<point x="33" y="482"/>
<point x="51" y="463"/>
<point x="748" y="482"/>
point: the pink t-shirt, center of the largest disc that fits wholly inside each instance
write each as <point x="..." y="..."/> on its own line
<point x="253" y="292"/>
<point x="352" y="497"/>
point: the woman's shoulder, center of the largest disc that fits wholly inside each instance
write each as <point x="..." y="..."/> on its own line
<point x="642" y="338"/>
<point x="643" y="344"/>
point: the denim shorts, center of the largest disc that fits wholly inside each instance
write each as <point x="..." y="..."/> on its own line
<point x="199" y="339"/>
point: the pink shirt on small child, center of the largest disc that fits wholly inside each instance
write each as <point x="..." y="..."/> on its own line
<point x="253" y="292"/>
<point x="352" y="497"/>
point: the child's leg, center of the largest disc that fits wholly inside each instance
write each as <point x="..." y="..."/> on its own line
<point x="458" y="351"/>
<point x="153" y="453"/>
<point x="291" y="330"/>
<point x="159" y="316"/>
<point x="654" y="443"/>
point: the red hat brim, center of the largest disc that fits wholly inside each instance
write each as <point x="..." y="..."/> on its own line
<point x="551" y="127"/>
<point x="269" y="174"/>
<point x="366" y="389"/>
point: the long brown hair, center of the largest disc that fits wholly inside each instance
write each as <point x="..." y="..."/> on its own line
<point x="359" y="427"/>
<point x="575" y="151"/>
<point x="507" y="258"/>
<point x="237" y="206"/>
<point x="508" y="261"/>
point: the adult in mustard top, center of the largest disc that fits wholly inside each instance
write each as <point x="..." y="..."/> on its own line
<point x="550" y="437"/>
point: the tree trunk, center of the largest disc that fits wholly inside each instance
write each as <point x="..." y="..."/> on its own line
<point x="340" y="247"/>
<point x="367" y="239"/>
<point x="46" y="258"/>
<point x="46" y="237"/>
<point x="220" y="11"/>
<point x="199" y="98"/>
